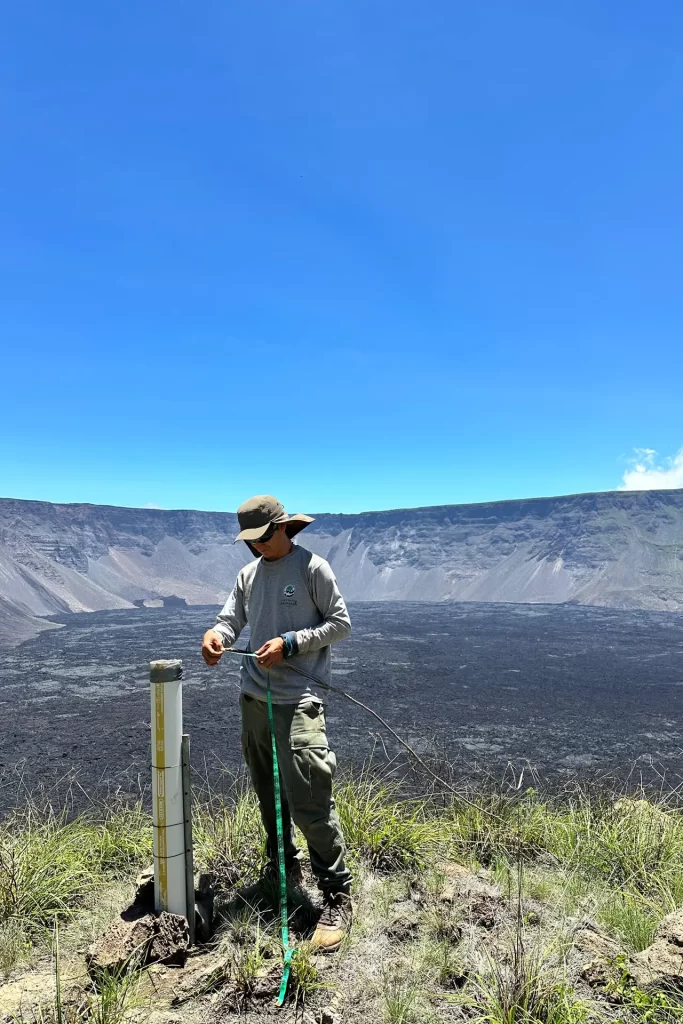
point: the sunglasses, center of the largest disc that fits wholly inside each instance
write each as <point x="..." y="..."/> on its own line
<point x="268" y="535"/>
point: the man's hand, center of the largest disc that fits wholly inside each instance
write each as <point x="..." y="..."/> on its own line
<point x="271" y="653"/>
<point x="212" y="647"/>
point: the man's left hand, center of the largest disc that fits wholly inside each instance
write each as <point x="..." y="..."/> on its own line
<point x="271" y="653"/>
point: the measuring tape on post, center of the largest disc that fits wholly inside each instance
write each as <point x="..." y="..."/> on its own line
<point x="284" y="917"/>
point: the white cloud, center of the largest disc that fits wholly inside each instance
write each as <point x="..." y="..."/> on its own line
<point x="150" y="504"/>
<point x="649" y="472"/>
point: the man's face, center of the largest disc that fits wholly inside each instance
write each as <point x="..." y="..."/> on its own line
<point x="276" y="547"/>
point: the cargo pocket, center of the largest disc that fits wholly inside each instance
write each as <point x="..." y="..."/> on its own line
<point x="312" y="761"/>
<point x="308" y="726"/>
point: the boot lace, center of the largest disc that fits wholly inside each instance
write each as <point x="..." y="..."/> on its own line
<point x="332" y="914"/>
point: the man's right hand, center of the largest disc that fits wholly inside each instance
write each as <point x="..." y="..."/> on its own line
<point x="212" y="647"/>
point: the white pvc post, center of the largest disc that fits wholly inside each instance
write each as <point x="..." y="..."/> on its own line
<point x="168" y="816"/>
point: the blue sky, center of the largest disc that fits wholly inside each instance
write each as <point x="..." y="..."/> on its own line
<point x="359" y="254"/>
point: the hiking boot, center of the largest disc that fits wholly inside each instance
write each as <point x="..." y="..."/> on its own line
<point x="334" y="922"/>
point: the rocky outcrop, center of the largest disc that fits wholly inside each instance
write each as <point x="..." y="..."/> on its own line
<point x="620" y="549"/>
<point x="660" y="966"/>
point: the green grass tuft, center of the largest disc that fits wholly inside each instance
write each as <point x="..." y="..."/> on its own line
<point x="401" y="993"/>
<point x="228" y="837"/>
<point x="527" y="990"/>
<point x="49" y="865"/>
<point x="15" y="945"/>
<point x="305" y="975"/>
<point x="384" y="828"/>
<point x="632" y="918"/>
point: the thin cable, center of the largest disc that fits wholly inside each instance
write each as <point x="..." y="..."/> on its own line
<point x="404" y="743"/>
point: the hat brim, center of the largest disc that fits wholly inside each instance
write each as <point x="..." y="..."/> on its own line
<point x="294" y="524"/>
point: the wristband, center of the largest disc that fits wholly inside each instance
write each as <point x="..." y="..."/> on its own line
<point x="290" y="645"/>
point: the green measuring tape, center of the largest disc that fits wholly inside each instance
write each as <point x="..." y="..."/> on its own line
<point x="284" y="920"/>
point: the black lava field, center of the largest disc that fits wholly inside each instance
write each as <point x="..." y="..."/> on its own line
<point x="558" y="691"/>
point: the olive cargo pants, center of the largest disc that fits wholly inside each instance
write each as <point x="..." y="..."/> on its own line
<point x="307" y="767"/>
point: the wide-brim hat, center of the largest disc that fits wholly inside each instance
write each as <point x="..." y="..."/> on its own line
<point x="257" y="514"/>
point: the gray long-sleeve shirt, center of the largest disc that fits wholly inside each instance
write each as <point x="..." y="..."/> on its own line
<point x="297" y="593"/>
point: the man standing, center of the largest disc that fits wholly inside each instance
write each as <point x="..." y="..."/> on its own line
<point x="290" y="599"/>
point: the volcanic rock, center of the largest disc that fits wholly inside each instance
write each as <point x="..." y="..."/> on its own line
<point x="143" y="940"/>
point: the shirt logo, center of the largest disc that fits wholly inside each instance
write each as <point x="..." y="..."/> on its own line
<point x="289" y="590"/>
